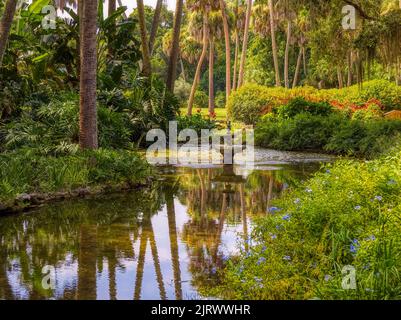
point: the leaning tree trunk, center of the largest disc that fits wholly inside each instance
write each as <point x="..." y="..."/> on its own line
<point x="286" y="56"/>
<point x="245" y="44"/>
<point x="274" y="43"/>
<point x="199" y="67"/>
<point x="5" y="26"/>
<point x="175" y="47"/>
<point x="155" y="25"/>
<point x="228" y="51"/>
<point x="146" y="65"/>
<point x="297" y="68"/>
<point x="236" y="53"/>
<point x="88" y="138"/>
<point x="211" y="79"/>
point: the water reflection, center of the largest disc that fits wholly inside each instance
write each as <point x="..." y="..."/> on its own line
<point x="164" y="243"/>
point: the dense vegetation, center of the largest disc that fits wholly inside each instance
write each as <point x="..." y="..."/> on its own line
<point x="346" y="215"/>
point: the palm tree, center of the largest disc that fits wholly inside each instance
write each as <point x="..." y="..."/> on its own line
<point x="112" y="7"/>
<point x="5" y="25"/>
<point x="88" y="131"/>
<point x="155" y="24"/>
<point x="172" y="65"/>
<point x="274" y="43"/>
<point x="146" y="65"/>
<point x="227" y="47"/>
<point x="245" y="44"/>
<point x="203" y="9"/>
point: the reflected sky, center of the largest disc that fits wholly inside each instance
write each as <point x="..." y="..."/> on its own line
<point x="164" y="242"/>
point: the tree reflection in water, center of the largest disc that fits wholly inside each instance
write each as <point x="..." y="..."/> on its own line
<point x="192" y="222"/>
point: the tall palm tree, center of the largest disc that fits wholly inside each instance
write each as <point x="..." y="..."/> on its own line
<point x="155" y="24"/>
<point x="146" y="65"/>
<point x="88" y="131"/>
<point x="5" y="25"/>
<point x="227" y="47"/>
<point x="175" y="48"/>
<point x="205" y="41"/>
<point x="245" y="44"/>
<point x="274" y="43"/>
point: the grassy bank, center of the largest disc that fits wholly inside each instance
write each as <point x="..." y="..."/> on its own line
<point x="27" y="176"/>
<point x="348" y="215"/>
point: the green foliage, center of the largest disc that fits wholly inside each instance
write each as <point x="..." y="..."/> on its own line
<point x="201" y="99"/>
<point x="252" y="101"/>
<point x="335" y="133"/>
<point x="54" y="127"/>
<point x="27" y="171"/>
<point x="347" y="214"/>
<point x="300" y="105"/>
<point x="248" y="103"/>
<point x="196" y="122"/>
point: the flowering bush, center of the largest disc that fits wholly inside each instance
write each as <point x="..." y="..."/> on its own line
<point x="252" y="101"/>
<point x="347" y="215"/>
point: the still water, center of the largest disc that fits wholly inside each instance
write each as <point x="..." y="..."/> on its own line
<point x="167" y="242"/>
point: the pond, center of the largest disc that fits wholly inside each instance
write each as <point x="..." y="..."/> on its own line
<point x="164" y="242"/>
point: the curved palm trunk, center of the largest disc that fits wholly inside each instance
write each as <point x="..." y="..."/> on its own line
<point x="228" y="50"/>
<point x="199" y="67"/>
<point x="5" y="26"/>
<point x="211" y="79"/>
<point x="88" y="138"/>
<point x="297" y="68"/>
<point x="146" y="65"/>
<point x="286" y="56"/>
<point x="274" y="43"/>
<point x="155" y="24"/>
<point x="245" y="44"/>
<point x="175" y="47"/>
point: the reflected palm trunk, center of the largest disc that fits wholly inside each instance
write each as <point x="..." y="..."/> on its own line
<point x="6" y="291"/>
<point x="141" y="264"/>
<point x="87" y="263"/>
<point x="270" y="193"/>
<point x="174" y="245"/>
<point x="112" y="262"/>
<point x="155" y="255"/>
<point x="244" y="218"/>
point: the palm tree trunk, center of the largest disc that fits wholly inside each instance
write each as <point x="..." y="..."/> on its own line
<point x="112" y="7"/>
<point x="245" y="44"/>
<point x="286" y="56"/>
<point x="146" y="65"/>
<point x="199" y="67"/>
<point x="304" y="61"/>
<point x="349" y="61"/>
<point x="184" y="76"/>
<point x="228" y="50"/>
<point x="298" y="68"/>
<point x="234" y="86"/>
<point x="340" y="78"/>
<point x="175" y="47"/>
<point x="274" y="43"/>
<point x="155" y="25"/>
<point x="236" y="60"/>
<point x="88" y="132"/>
<point x="5" y="26"/>
<point x="211" y="80"/>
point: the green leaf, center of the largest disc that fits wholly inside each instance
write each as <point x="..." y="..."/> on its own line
<point x="36" y="6"/>
<point x="40" y="58"/>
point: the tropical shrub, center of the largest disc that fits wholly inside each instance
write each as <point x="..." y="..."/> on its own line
<point x="195" y="122"/>
<point x="347" y="215"/>
<point x="335" y="134"/>
<point x="252" y="101"/>
<point x="28" y="171"/>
